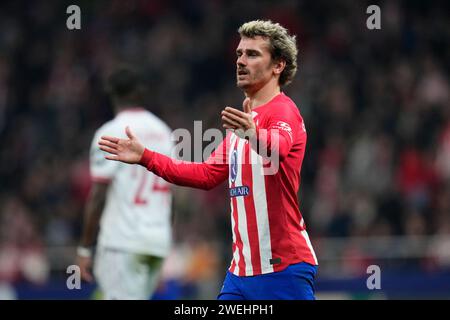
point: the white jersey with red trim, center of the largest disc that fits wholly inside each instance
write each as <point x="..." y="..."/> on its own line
<point x="137" y="212"/>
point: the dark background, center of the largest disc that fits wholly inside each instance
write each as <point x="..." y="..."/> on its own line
<point x="376" y="175"/>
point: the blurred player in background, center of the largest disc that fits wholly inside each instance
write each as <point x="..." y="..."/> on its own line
<point x="132" y="205"/>
<point x="272" y="255"/>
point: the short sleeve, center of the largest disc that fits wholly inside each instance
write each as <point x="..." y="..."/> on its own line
<point x="101" y="169"/>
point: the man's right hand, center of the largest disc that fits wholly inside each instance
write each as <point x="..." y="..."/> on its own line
<point x="85" y="264"/>
<point x="125" y="150"/>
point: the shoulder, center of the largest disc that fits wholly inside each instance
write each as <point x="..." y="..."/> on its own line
<point x="287" y="105"/>
<point x="108" y="128"/>
<point x="108" y="125"/>
<point x="158" y="122"/>
<point x="283" y="107"/>
<point x="141" y="121"/>
<point x="145" y="120"/>
<point x="152" y="131"/>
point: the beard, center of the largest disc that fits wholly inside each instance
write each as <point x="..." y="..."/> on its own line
<point x="251" y="81"/>
<point x="243" y="85"/>
<point x="245" y="81"/>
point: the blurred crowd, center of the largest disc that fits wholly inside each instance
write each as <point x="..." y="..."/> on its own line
<point x="375" y="104"/>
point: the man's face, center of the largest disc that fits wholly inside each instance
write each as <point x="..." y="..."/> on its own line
<point x="254" y="66"/>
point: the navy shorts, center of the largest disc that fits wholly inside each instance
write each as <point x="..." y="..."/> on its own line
<point x="296" y="282"/>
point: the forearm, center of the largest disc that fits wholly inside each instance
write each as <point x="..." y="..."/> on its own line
<point x="270" y="144"/>
<point x="189" y="174"/>
<point x="92" y="214"/>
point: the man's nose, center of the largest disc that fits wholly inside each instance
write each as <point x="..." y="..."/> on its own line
<point x="241" y="61"/>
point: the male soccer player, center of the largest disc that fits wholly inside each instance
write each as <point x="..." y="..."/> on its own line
<point x="272" y="255"/>
<point x="133" y="204"/>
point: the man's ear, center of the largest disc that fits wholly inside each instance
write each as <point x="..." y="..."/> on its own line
<point x="279" y="66"/>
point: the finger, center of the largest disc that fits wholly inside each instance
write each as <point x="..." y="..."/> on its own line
<point x="227" y="126"/>
<point x="235" y="118"/>
<point x="84" y="264"/>
<point x="114" y="158"/>
<point x="231" y="122"/>
<point x="236" y="112"/>
<point x="108" y="144"/>
<point x="85" y="275"/>
<point x="112" y="139"/>
<point x="108" y="149"/>
<point x="247" y="106"/>
<point x="129" y="133"/>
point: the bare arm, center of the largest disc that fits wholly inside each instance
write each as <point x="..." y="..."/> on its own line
<point x="92" y="214"/>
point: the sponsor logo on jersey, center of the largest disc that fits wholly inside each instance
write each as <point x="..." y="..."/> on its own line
<point x="281" y="125"/>
<point x="239" y="191"/>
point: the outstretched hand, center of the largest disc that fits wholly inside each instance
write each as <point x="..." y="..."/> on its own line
<point x="240" y="121"/>
<point x="126" y="150"/>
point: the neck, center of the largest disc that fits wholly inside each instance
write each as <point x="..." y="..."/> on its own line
<point x="264" y="94"/>
<point x="127" y="107"/>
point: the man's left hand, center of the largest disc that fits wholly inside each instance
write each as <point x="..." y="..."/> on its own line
<point x="240" y="121"/>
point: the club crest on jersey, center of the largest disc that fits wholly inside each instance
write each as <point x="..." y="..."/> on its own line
<point x="233" y="166"/>
<point x="239" y="191"/>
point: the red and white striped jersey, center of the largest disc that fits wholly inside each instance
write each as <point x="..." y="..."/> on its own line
<point x="269" y="233"/>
